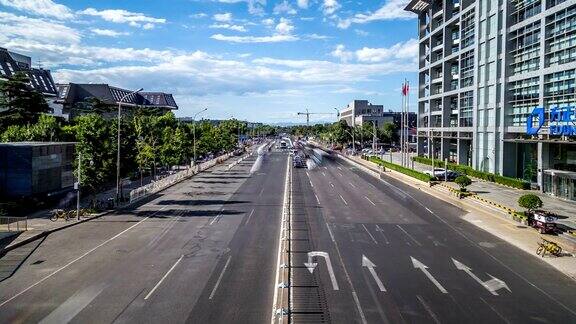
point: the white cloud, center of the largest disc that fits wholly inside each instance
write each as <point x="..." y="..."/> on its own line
<point x="402" y="53"/>
<point x="268" y="21"/>
<point x="45" y="8"/>
<point x="361" y="32"/>
<point x="121" y="16"/>
<point x="329" y="7"/>
<point x="238" y="28"/>
<point x="284" y="8"/>
<point x="284" y="27"/>
<point x="303" y="4"/>
<point x="108" y="32"/>
<point x="341" y="53"/>
<point x="255" y="39"/>
<point x="223" y="17"/>
<point x="255" y="7"/>
<point x="393" y="9"/>
<point x="33" y="29"/>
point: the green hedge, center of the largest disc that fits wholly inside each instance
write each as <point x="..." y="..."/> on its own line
<point x="409" y="172"/>
<point x="464" y="169"/>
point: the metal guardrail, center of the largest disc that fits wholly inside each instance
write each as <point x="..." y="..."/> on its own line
<point x="13" y="224"/>
<point x="164" y="183"/>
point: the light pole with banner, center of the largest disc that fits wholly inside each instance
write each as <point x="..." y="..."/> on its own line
<point x="194" y="132"/>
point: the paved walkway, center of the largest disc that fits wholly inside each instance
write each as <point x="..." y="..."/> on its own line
<point x="506" y="196"/>
<point x="39" y="222"/>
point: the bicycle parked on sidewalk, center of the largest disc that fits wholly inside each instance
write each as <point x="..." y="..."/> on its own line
<point x="60" y="213"/>
<point x="548" y="246"/>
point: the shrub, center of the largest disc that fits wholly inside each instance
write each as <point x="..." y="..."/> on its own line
<point x="463" y="181"/>
<point x="530" y="201"/>
<point x="464" y="169"/>
<point x="409" y="172"/>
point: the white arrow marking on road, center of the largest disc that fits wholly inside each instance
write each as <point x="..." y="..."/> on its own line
<point x="419" y="265"/>
<point x="491" y="285"/>
<point x="312" y="265"/>
<point x="370" y="265"/>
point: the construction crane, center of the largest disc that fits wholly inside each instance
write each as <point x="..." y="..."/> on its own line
<point x="307" y="113"/>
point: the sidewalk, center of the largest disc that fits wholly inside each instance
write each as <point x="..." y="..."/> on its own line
<point x="489" y="219"/>
<point x="39" y="223"/>
<point x="506" y="196"/>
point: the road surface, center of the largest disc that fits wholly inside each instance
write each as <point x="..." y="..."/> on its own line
<point x="202" y="251"/>
<point x="399" y="255"/>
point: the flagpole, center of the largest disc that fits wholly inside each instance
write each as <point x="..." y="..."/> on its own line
<point x="407" y="123"/>
<point x="402" y="126"/>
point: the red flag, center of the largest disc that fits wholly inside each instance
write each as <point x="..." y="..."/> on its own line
<point x="407" y="88"/>
<point x="404" y="90"/>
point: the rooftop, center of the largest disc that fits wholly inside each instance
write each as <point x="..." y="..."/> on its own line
<point x="40" y="79"/>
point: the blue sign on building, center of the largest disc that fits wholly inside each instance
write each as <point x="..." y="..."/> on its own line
<point x="564" y="119"/>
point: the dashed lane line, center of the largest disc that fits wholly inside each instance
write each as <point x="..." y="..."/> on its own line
<point x="164" y="277"/>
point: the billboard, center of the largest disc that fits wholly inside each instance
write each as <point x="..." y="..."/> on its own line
<point x="561" y="121"/>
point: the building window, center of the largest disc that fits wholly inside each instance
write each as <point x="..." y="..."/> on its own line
<point x="467" y="69"/>
<point x="559" y="88"/>
<point x="466" y="104"/>
<point x="467" y="29"/>
<point x="523" y="96"/>
<point x="524" y="45"/>
<point x="560" y="45"/>
<point x="522" y="10"/>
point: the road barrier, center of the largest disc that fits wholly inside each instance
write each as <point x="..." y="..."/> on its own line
<point x="164" y="183"/>
<point x="13" y="224"/>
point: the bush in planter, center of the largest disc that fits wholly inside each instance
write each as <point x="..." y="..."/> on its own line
<point x="463" y="181"/>
<point x="530" y="202"/>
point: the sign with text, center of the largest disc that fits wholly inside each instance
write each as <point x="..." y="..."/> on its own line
<point x="561" y="121"/>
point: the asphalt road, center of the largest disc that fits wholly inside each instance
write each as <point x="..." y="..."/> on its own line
<point x="202" y="251"/>
<point x="400" y="255"/>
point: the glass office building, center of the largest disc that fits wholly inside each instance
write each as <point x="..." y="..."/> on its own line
<point x="485" y="67"/>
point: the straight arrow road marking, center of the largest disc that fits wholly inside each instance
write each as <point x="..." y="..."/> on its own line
<point x="370" y="265"/>
<point x="312" y="265"/>
<point x="492" y="285"/>
<point x="419" y="265"/>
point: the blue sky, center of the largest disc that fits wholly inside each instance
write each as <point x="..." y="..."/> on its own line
<point x="258" y="60"/>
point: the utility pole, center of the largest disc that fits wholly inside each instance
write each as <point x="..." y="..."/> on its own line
<point x="78" y="186"/>
<point x="402" y="126"/>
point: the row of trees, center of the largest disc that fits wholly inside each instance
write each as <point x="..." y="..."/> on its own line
<point x="340" y="133"/>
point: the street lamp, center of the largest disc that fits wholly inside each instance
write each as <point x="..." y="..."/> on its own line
<point x="337" y="114"/>
<point x="118" y="150"/>
<point x="194" y="131"/>
<point x="353" y="141"/>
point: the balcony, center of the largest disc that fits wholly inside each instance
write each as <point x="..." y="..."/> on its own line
<point x="437" y="79"/>
<point x="438" y="47"/>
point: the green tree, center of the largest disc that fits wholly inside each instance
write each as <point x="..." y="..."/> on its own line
<point x="463" y="181"/>
<point x="19" y="103"/>
<point x="530" y="202"/>
<point x="389" y="133"/>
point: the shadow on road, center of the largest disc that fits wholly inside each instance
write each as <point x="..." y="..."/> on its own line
<point x="200" y="202"/>
<point x="12" y="260"/>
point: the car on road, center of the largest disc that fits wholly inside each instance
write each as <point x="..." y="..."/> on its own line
<point x="299" y="161"/>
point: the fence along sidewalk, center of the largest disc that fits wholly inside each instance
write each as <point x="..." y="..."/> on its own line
<point x="164" y="183"/>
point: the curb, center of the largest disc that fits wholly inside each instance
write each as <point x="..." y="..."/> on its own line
<point x="48" y="232"/>
<point x="509" y="216"/>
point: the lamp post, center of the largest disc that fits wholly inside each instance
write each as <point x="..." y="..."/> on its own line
<point x="118" y="149"/>
<point x="194" y="131"/>
<point x="353" y="141"/>
<point x="337" y="114"/>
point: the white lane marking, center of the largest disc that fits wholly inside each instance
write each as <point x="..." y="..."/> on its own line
<point x="330" y="232"/>
<point x="249" y="217"/>
<point x="318" y="200"/>
<point x="325" y="168"/>
<point x="261" y="191"/>
<point x="428" y="209"/>
<point x="424" y="268"/>
<point x="216" y="218"/>
<point x="475" y="243"/>
<point x="381" y="230"/>
<point x="370" y="265"/>
<point x="324" y="174"/>
<point x="77" y="259"/>
<point x="345" y="203"/>
<point x="357" y="301"/>
<point x="428" y="309"/>
<point x="166" y="229"/>
<point x="311" y="185"/>
<point x="164" y="277"/>
<point x="220" y="278"/>
<point x="72" y="306"/>
<point x="371" y="236"/>
<point x="370" y="201"/>
<point x="339" y="168"/>
<point x="408" y="234"/>
<point x="353" y="186"/>
<point x="331" y="185"/>
<point x="340" y="174"/>
<point x="495" y="311"/>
